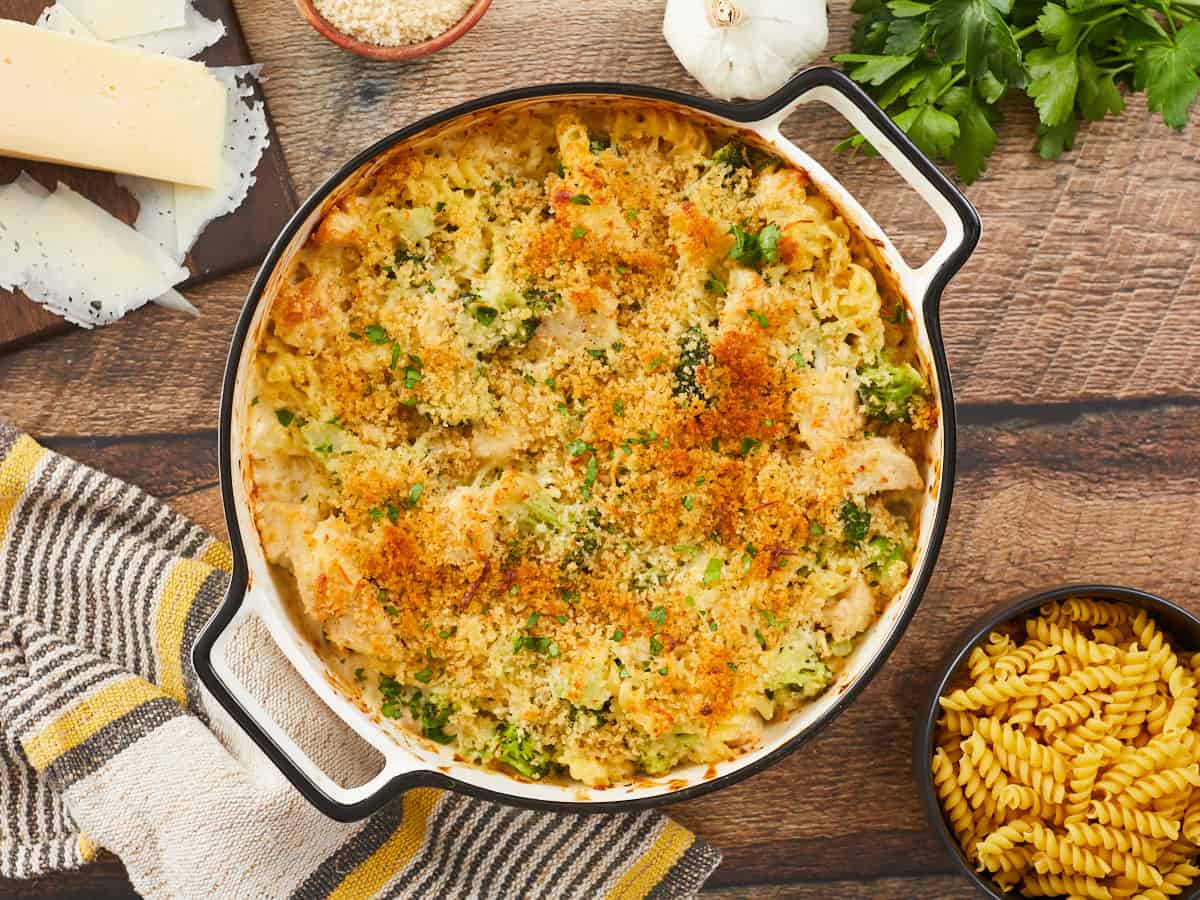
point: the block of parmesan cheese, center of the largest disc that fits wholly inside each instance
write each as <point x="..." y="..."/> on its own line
<point x="81" y="102"/>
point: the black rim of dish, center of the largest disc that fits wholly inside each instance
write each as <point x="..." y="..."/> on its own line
<point x="1171" y="616"/>
<point x="741" y="113"/>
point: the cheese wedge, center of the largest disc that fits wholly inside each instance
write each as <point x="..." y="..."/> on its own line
<point x="84" y="103"/>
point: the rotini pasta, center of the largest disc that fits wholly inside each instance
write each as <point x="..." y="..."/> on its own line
<point x="1078" y="772"/>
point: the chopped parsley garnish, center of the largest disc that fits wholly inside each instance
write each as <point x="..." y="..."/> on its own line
<point x="395" y="355"/>
<point x="532" y="621"/>
<point x="424" y="676"/>
<point x="760" y="318"/>
<point x="618" y="635"/>
<point x="601" y="355"/>
<point x="560" y="619"/>
<point x="656" y="363"/>
<point x="485" y="315"/>
<point x="732" y="666"/>
<point x="376" y="334"/>
<point x="360" y="675"/>
<point x="618" y="408"/>
<point x="589" y="476"/>
<point x="578" y="447"/>
<point x="712" y="572"/>
<point x="414" y="494"/>
<point x="393" y="513"/>
<point x="285" y="417"/>
<point x="412" y="376"/>
<point x="762" y="642"/>
<point x="755" y="249"/>
<point x="391" y="610"/>
<point x="656" y="646"/>
<point x="715" y="285"/>
<point x="688" y="502"/>
<point x="581" y="200"/>
<point x="578" y="232"/>
<point x="375" y="513"/>
<point x="658" y="615"/>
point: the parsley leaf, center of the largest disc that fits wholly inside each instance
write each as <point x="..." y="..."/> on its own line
<point x="1167" y="72"/>
<point x="1054" y="80"/>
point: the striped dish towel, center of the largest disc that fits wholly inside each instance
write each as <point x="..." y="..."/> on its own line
<point x="107" y="742"/>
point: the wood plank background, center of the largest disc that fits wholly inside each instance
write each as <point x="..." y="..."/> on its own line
<point x="1072" y="342"/>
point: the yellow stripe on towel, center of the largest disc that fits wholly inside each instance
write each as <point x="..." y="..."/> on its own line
<point x="366" y="879"/>
<point x="179" y="592"/>
<point x="218" y="556"/>
<point x="15" y="470"/>
<point x="85" y="718"/>
<point x="642" y="877"/>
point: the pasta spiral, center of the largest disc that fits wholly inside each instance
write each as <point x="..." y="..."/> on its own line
<point x="1079" y="755"/>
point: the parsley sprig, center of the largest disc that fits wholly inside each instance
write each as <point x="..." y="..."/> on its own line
<point x="940" y="67"/>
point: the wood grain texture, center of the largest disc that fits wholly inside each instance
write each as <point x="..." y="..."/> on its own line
<point x="228" y="244"/>
<point x="1069" y="341"/>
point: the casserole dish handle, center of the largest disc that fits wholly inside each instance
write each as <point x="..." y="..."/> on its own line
<point x="958" y="216"/>
<point x="337" y="802"/>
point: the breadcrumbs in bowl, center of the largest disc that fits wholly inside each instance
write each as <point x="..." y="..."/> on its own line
<point x="392" y="29"/>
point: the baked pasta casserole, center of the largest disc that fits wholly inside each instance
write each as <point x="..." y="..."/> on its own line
<point x="592" y="438"/>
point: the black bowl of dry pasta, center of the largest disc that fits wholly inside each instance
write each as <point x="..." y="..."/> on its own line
<point x="1059" y="753"/>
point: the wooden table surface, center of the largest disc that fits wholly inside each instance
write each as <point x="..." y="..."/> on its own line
<point x="1072" y="340"/>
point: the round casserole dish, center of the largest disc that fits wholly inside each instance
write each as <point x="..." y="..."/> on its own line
<point x="409" y="763"/>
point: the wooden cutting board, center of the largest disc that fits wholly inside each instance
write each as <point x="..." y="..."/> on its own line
<point x="232" y="242"/>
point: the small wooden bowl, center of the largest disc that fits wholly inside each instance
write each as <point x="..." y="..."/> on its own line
<point x="405" y="51"/>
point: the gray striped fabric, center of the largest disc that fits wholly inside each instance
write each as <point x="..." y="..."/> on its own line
<point x="105" y="738"/>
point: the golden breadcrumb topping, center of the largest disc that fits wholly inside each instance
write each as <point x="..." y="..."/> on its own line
<point x="592" y="438"/>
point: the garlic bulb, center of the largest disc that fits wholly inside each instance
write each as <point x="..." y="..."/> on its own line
<point x="745" y="48"/>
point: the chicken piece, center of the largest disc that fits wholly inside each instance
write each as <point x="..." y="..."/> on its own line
<point x="825" y="409"/>
<point x="850" y="613"/>
<point x="878" y="464"/>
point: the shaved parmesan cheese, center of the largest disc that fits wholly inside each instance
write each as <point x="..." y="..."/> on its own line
<point x="246" y="137"/>
<point x="196" y="35"/>
<point x="19" y="203"/>
<point x="156" y="211"/>
<point x="172" y="299"/>
<point x="59" y="18"/>
<point x="110" y="21"/>
<point x="83" y="264"/>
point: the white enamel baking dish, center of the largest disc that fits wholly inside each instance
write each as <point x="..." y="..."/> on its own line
<point x="409" y="760"/>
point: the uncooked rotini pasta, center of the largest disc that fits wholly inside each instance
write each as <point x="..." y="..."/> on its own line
<point x="1067" y="755"/>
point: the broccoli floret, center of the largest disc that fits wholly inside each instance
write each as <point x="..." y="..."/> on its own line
<point x="540" y="511"/>
<point x="733" y="155"/>
<point x="887" y="390"/>
<point x="884" y="551"/>
<point x="694" y="352"/>
<point x="796" y="667"/>
<point x="889" y="562"/>
<point x="856" y="522"/>
<point x="517" y="748"/>
<point x="737" y="155"/>
<point x="664" y="754"/>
